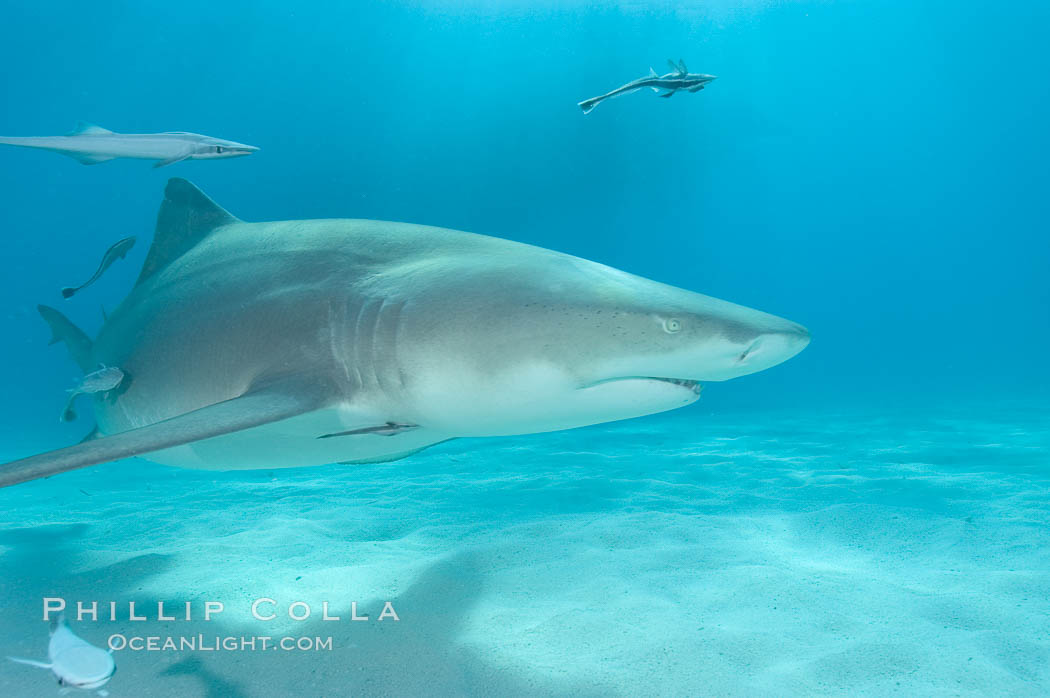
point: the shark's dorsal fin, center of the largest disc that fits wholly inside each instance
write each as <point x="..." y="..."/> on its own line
<point x="62" y="330"/>
<point x="84" y="128"/>
<point x="653" y="73"/>
<point x="681" y="67"/>
<point x="186" y="217"/>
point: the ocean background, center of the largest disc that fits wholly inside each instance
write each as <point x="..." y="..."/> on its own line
<point x="870" y="518"/>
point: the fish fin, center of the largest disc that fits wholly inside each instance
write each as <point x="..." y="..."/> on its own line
<point x="264" y="405"/>
<point x="62" y="330"/>
<point x="85" y="128"/>
<point x="655" y="89"/>
<point x="696" y="89"/>
<point x="173" y="159"/>
<point x="653" y="73"/>
<point x="674" y="66"/>
<point x="186" y="217"/>
<point x="92" y="435"/>
<point x="68" y="413"/>
<point x="681" y="67"/>
<point x="668" y="93"/>
<point x="68" y="292"/>
<point x="86" y="158"/>
<point x="588" y="105"/>
<point x="30" y="662"/>
<point x="389" y="457"/>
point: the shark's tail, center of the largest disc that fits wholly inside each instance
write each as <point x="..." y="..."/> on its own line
<point x="588" y="104"/>
<point x="62" y="330"/>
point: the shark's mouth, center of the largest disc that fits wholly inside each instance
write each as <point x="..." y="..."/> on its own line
<point x="691" y="385"/>
<point x="687" y="384"/>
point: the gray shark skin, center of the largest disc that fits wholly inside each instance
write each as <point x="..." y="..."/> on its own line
<point x="679" y="79"/>
<point x="91" y="144"/>
<point x="307" y="342"/>
<point x="117" y="250"/>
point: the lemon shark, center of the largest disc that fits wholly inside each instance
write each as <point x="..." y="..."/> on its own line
<point x="297" y="343"/>
<point x="91" y="144"/>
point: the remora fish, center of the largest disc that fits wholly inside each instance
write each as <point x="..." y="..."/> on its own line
<point x="74" y="662"/>
<point x="251" y="341"/>
<point x="118" y="251"/>
<point x="105" y="379"/>
<point x="91" y="144"/>
<point x="679" y="79"/>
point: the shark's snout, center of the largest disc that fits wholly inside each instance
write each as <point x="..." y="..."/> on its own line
<point x="771" y="348"/>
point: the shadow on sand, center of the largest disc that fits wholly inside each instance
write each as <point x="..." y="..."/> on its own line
<point x="421" y="654"/>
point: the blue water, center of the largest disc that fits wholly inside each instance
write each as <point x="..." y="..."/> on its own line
<point x="870" y="517"/>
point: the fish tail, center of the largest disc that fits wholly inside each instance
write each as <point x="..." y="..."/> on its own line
<point x="67" y="292"/>
<point x="588" y="104"/>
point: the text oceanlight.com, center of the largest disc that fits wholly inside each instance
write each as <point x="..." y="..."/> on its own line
<point x="215" y="643"/>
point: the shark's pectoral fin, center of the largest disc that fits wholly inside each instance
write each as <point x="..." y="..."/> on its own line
<point x="265" y="405"/>
<point x="30" y="662"/>
<point x="696" y="89"/>
<point x="668" y="93"/>
<point x="173" y="159"/>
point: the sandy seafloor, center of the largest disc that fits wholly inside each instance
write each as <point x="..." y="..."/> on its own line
<point x="897" y="552"/>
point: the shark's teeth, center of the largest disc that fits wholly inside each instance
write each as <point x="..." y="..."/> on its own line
<point x="690" y="384"/>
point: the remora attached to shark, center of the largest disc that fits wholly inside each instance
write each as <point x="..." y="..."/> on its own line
<point x="246" y="343"/>
<point x="91" y="144"/>
<point x="678" y="79"/>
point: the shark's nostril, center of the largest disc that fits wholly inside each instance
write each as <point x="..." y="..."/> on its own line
<point x="747" y="352"/>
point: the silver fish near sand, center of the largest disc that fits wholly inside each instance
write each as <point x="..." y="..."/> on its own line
<point x="679" y="79"/>
<point x="297" y="343"/>
<point x="118" y="250"/>
<point x="91" y="144"/>
<point x="105" y="379"/>
<point x="74" y="662"/>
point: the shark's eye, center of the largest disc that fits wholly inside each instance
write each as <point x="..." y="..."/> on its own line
<point x="218" y="149"/>
<point x="672" y="325"/>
